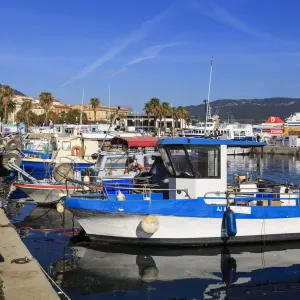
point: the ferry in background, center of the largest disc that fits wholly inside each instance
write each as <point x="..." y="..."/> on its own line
<point x="293" y="120"/>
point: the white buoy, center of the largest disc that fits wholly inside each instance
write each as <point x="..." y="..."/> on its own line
<point x="150" y="224"/>
<point x="120" y="196"/>
<point x="147" y="198"/>
<point x="149" y="274"/>
<point x="86" y="179"/>
<point x="60" y="195"/>
<point x="60" y="207"/>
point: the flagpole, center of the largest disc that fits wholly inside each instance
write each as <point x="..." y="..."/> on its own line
<point x="208" y="96"/>
<point x="81" y="111"/>
<point x="109" y="101"/>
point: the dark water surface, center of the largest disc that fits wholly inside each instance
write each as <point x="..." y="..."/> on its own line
<point x="106" y="272"/>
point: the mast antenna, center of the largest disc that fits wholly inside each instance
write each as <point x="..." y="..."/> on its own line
<point x="208" y="112"/>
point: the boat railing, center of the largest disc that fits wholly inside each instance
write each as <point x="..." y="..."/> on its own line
<point x="134" y="187"/>
<point x="254" y="198"/>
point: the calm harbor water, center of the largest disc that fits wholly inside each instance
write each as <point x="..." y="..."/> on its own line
<point x="116" y="272"/>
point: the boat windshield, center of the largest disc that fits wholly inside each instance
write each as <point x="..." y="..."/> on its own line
<point x="192" y="161"/>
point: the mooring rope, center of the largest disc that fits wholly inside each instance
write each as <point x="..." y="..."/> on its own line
<point x="53" y="282"/>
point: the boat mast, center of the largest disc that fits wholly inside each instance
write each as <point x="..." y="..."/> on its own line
<point x="207" y="111"/>
<point x="81" y="111"/>
<point x="109" y="102"/>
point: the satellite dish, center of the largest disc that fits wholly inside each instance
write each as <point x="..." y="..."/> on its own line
<point x="62" y="172"/>
<point x="12" y="156"/>
<point x="14" y="143"/>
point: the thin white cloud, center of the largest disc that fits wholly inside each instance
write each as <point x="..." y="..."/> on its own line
<point x="221" y="14"/>
<point x="294" y="86"/>
<point x="120" y="45"/>
<point x="148" y="53"/>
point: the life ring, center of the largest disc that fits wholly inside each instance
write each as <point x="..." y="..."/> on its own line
<point x="134" y="166"/>
<point x="77" y="151"/>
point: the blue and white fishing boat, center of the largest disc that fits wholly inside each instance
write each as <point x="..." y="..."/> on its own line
<point x="200" y="208"/>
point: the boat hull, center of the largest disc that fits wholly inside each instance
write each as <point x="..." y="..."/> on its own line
<point x="238" y="151"/>
<point x="43" y="194"/>
<point x="183" y="231"/>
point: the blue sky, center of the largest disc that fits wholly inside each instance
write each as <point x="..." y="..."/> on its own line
<point x="144" y="49"/>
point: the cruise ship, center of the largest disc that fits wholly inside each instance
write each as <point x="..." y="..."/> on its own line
<point x="293" y="120"/>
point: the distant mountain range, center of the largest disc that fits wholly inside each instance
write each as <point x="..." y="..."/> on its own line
<point x="248" y="110"/>
<point x="17" y="92"/>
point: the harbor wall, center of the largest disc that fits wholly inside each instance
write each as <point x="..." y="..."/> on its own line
<point x="281" y="150"/>
<point x="24" y="281"/>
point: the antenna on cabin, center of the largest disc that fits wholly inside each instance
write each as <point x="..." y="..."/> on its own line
<point x="109" y="101"/>
<point x="81" y="111"/>
<point x="207" y="110"/>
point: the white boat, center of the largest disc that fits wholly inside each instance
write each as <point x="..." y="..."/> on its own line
<point x="198" y="199"/>
<point x="109" y="167"/>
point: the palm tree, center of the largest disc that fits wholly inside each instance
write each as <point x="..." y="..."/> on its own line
<point x="180" y="111"/>
<point x="46" y="101"/>
<point x="149" y="112"/>
<point x="166" y="109"/>
<point x="175" y="117"/>
<point x="6" y="93"/>
<point x="11" y="107"/>
<point x="183" y="115"/>
<point x="94" y="102"/>
<point x="25" y="114"/>
<point x="156" y="110"/>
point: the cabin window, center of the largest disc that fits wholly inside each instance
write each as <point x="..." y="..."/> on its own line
<point x="166" y="161"/>
<point x="192" y="161"/>
<point x="118" y="162"/>
<point x="181" y="164"/>
<point x="205" y="161"/>
<point x="66" y="146"/>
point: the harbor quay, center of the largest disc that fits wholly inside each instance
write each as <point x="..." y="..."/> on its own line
<point x="279" y="150"/>
<point x="20" y="275"/>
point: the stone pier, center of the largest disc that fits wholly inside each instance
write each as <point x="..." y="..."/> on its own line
<point x="20" y="281"/>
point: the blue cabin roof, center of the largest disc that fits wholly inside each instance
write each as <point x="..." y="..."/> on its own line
<point x="209" y="141"/>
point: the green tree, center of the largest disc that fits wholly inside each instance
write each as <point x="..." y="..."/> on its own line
<point x="156" y="110"/>
<point x="174" y="112"/>
<point x="62" y="117"/>
<point x="73" y="117"/>
<point x="183" y="115"/>
<point x="166" y="110"/>
<point x="149" y="112"/>
<point x="95" y="102"/>
<point x="11" y="107"/>
<point x="25" y="115"/>
<point x="46" y="101"/>
<point x="6" y="94"/>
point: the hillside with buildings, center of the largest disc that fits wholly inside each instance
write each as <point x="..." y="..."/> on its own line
<point x="249" y="110"/>
<point x="103" y="112"/>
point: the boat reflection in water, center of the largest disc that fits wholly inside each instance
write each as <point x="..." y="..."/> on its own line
<point x="115" y="272"/>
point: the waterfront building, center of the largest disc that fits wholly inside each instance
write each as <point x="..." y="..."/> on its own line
<point x="103" y="112"/>
<point x="140" y="121"/>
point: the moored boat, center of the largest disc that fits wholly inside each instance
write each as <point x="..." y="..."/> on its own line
<point x="200" y="209"/>
<point x="111" y="167"/>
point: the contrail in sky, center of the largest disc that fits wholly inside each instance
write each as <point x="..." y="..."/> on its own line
<point x="120" y="45"/>
<point x="149" y="53"/>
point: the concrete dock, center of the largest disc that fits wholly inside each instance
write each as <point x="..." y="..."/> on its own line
<point x="281" y="150"/>
<point x="20" y="281"/>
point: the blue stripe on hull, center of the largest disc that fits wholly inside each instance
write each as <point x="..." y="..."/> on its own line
<point x="182" y="208"/>
<point x="41" y="170"/>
